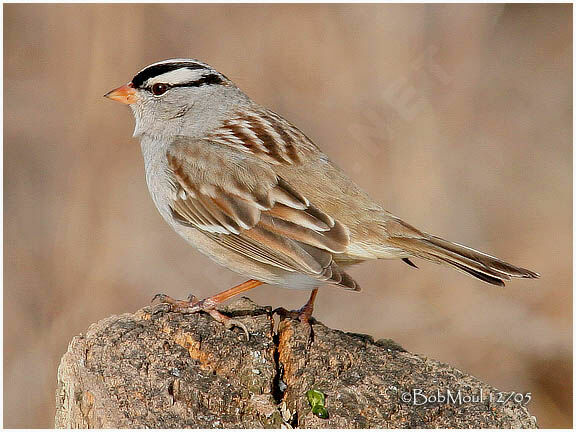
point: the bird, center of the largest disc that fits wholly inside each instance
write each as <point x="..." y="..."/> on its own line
<point x="251" y="191"/>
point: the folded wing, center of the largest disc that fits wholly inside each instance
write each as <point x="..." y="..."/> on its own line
<point x="237" y="200"/>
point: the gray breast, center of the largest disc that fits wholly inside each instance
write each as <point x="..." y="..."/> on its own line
<point x="159" y="183"/>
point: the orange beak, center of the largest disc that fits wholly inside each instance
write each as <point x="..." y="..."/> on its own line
<point x="125" y="94"/>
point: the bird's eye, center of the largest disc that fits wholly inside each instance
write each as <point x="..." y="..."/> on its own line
<point x="159" y="89"/>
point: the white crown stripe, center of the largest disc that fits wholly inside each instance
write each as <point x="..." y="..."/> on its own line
<point x="178" y="76"/>
<point x="176" y="60"/>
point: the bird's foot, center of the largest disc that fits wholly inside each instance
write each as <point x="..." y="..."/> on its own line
<point x="304" y="314"/>
<point x="193" y="305"/>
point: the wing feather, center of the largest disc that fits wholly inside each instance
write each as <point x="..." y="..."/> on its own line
<point x="240" y="202"/>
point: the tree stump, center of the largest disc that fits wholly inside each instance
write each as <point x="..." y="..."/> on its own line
<point x="158" y="369"/>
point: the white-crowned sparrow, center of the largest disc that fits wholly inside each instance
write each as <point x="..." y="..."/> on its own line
<point x="251" y="191"/>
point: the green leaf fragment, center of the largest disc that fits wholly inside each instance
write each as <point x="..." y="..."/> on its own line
<point x="320" y="411"/>
<point x="316" y="399"/>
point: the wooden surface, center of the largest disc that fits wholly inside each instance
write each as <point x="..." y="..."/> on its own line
<point x="158" y="369"/>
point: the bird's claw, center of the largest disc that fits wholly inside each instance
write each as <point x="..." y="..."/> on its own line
<point x="159" y="297"/>
<point x="301" y="315"/>
<point x="228" y="322"/>
<point x="193" y="305"/>
<point x="190" y="305"/>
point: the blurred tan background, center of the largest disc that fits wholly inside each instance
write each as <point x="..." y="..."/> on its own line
<point x="457" y="118"/>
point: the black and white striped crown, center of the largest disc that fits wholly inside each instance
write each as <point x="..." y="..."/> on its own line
<point x="177" y="73"/>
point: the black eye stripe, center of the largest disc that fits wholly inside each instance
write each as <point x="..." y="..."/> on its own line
<point x="152" y="71"/>
<point x="205" y="80"/>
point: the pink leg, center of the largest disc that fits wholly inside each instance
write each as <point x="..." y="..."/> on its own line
<point x="209" y="304"/>
<point x="304" y="313"/>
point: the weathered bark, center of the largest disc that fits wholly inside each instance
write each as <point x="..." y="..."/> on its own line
<point x="158" y="369"/>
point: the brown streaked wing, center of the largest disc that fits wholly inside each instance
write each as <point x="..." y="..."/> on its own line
<point x="243" y="205"/>
<point x="264" y="134"/>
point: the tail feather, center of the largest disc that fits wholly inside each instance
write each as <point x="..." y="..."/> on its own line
<point x="482" y="276"/>
<point x="480" y="265"/>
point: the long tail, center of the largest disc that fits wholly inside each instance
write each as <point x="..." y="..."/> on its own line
<point x="478" y="264"/>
